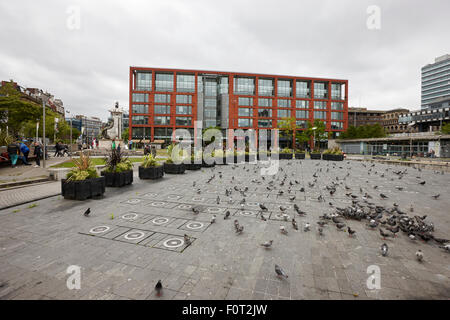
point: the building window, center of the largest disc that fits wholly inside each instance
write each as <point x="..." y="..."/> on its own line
<point x="337" y="105"/>
<point x="302" y="89"/>
<point x="183" y="98"/>
<point x="337" y="116"/>
<point x="284" y="88"/>
<point x="163" y="133"/>
<point x="139" y="120"/>
<point x="283" y="113"/>
<point x="265" y="113"/>
<point x="210" y="103"/>
<point x="183" y="121"/>
<point x="139" y="108"/>
<point x="302" y="104"/>
<point x="304" y="114"/>
<point x="335" y="125"/>
<point x="264" y="123"/>
<point x="320" y="104"/>
<point x="245" y="101"/>
<point x="244" y="86"/>
<point x="140" y="97"/>
<point x="164" y="82"/>
<point x="245" y="112"/>
<point x="210" y="87"/>
<point x="223" y="87"/>
<point x="301" y="124"/>
<point x="162" y="120"/>
<point x="210" y="123"/>
<point x="162" y="98"/>
<point x="185" y="83"/>
<point x="265" y="102"/>
<point x="161" y="109"/>
<point x="265" y="87"/>
<point x="320" y="114"/>
<point x="184" y="110"/>
<point x="210" y="113"/>
<point x="245" y="122"/>
<point x="320" y="90"/>
<point x="141" y="133"/>
<point x="336" y="91"/>
<point x="284" y="103"/>
<point x="144" y="81"/>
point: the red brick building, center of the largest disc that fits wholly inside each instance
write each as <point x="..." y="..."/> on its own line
<point x="162" y="100"/>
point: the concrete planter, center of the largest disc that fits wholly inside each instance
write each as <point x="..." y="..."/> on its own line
<point x="151" y="173"/>
<point x="118" y="179"/>
<point x="174" y="168"/>
<point x="83" y="189"/>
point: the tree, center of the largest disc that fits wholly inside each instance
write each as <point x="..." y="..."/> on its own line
<point x="364" y="132"/>
<point x="125" y="134"/>
<point x="287" y="127"/>
<point x="446" y="128"/>
<point x="320" y="132"/>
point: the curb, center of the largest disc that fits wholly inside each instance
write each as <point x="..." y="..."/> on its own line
<point x="28" y="201"/>
<point x="5" y="186"/>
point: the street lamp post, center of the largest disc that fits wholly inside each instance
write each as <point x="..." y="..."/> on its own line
<point x="43" y="128"/>
<point x="67" y="111"/>
<point x="314" y="141"/>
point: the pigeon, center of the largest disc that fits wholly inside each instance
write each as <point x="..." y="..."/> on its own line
<point x="158" y="288"/>
<point x="280" y="272"/>
<point x="267" y="244"/>
<point x="384" y="249"/>
<point x="383" y="196"/>
<point x="412" y="236"/>
<point x="195" y="210"/>
<point x="321" y="223"/>
<point x="372" y="224"/>
<point x="419" y="255"/>
<point x="436" y="196"/>
<point x="320" y="229"/>
<point x="283" y="230"/>
<point x="239" y="229"/>
<point x="306" y="227"/>
<point x="218" y="200"/>
<point x="263" y="218"/>
<point x="263" y="207"/>
<point x="213" y="218"/>
<point x="445" y="247"/>
<point x="227" y="215"/>
<point x="383" y="234"/>
<point x="340" y="226"/>
<point x="350" y="232"/>
<point x="236" y="223"/>
<point x="394" y="230"/>
<point x="294" y="224"/>
<point x="422" y="182"/>
<point x="187" y="239"/>
<point x="86" y="213"/>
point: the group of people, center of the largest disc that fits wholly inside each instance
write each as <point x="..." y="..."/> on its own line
<point x="18" y="150"/>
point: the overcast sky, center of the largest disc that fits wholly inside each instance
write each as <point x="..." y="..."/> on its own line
<point x="88" y="67"/>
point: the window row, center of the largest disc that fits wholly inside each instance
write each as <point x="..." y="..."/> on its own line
<point x="162" y="120"/>
<point x="160" y="109"/>
<point x="162" y="98"/>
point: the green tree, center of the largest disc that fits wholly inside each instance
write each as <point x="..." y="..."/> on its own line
<point x="320" y="132"/>
<point x="287" y="127"/>
<point x="363" y="132"/>
<point x="125" y="134"/>
<point x="446" y="128"/>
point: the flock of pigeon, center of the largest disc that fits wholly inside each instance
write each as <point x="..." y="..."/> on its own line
<point x="389" y="221"/>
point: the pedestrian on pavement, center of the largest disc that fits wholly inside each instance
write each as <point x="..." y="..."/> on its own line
<point x="37" y="153"/>
<point x="57" y="148"/>
<point x="25" y="151"/>
<point x="130" y="144"/>
<point x="118" y="147"/>
<point x="96" y="143"/>
<point x="113" y="145"/>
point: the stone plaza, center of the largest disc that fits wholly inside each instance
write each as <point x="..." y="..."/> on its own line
<point x="133" y="237"/>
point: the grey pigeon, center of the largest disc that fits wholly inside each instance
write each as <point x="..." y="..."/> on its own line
<point x="227" y="215"/>
<point x="419" y="255"/>
<point x="384" y="249"/>
<point x="267" y="244"/>
<point x="280" y="272"/>
<point x="86" y="213"/>
<point x="187" y="239"/>
<point x="158" y="288"/>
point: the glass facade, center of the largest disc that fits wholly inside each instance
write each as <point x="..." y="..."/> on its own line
<point x="302" y="89"/>
<point x="284" y="88"/>
<point x="337" y="116"/>
<point x="304" y="114"/>
<point x="164" y="82"/>
<point x="245" y="101"/>
<point x="139" y="108"/>
<point x="162" y="109"/>
<point x="284" y="103"/>
<point x="245" y="112"/>
<point x="184" y="110"/>
<point x="264" y="123"/>
<point x="139" y="120"/>
<point x="246" y="122"/>
<point x="183" y="121"/>
<point x="320" y="90"/>
<point x="185" y="83"/>
<point x="162" y="98"/>
<point x="337" y="105"/>
<point x="320" y="115"/>
<point x="140" y="97"/>
<point x="265" y="113"/>
<point x="265" y="102"/>
<point x="302" y="124"/>
<point x="161" y="120"/>
<point x="244" y="85"/>
<point x="265" y="87"/>
<point x="143" y="81"/>
<point x="302" y="104"/>
<point x="183" y="98"/>
<point x="320" y="104"/>
<point x="283" y="113"/>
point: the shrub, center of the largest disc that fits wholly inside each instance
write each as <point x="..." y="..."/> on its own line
<point x="149" y="161"/>
<point x="117" y="162"/>
<point x="286" y="150"/>
<point x="83" y="169"/>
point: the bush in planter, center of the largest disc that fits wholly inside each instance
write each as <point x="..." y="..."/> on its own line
<point x="315" y="155"/>
<point x="82" y="181"/>
<point x="193" y="163"/>
<point x="334" y="154"/>
<point x="150" y="169"/>
<point x="285" y="154"/>
<point x="119" y="169"/>
<point x="299" y="154"/>
<point x="170" y="166"/>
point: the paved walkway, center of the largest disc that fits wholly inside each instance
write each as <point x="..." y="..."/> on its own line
<point x="24" y="194"/>
<point x="134" y="237"/>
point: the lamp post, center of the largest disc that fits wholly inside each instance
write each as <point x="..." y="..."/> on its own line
<point x="43" y="96"/>
<point x="314" y="141"/>
<point x="67" y="111"/>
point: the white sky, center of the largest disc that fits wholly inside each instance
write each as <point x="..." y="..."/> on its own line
<point x="88" y="68"/>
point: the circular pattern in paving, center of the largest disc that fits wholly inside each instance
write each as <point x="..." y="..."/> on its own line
<point x="150" y="194"/>
<point x="214" y="210"/>
<point x="280" y="216"/>
<point x="134" y="235"/>
<point x="173" y="243"/>
<point x="99" y="229"/>
<point x="158" y="204"/>
<point x="253" y="204"/>
<point x="130" y="216"/>
<point x="197" y="199"/>
<point x="194" y="225"/>
<point x="185" y="206"/>
<point x="247" y="213"/>
<point x="160" y="220"/>
<point x="133" y="201"/>
<point x="173" y="197"/>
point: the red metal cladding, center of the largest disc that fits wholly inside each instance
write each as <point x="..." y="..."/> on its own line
<point x="233" y="99"/>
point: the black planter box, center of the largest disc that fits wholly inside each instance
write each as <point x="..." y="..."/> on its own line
<point x="83" y="189"/>
<point x="193" y="166"/>
<point x="151" y="172"/>
<point x="333" y="157"/>
<point x="315" y="156"/>
<point x="118" y="179"/>
<point x="174" y="168"/>
<point x="208" y="165"/>
<point x="299" y="156"/>
<point x="285" y="156"/>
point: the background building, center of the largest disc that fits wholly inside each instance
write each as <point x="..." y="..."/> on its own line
<point x="162" y="100"/>
<point x="361" y="117"/>
<point x="435" y="80"/>
<point x="90" y="127"/>
<point x="390" y="121"/>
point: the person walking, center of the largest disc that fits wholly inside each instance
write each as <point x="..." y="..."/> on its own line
<point x="57" y="147"/>
<point x="25" y="151"/>
<point x="96" y="143"/>
<point x="118" y="147"/>
<point x="130" y="144"/>
<point x="113" y="145"/>
<point x="37" y="152"/>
